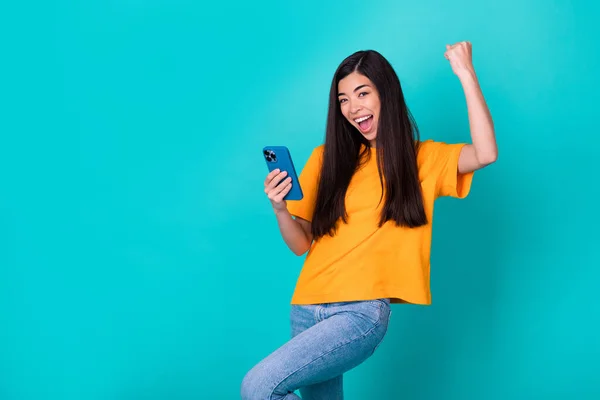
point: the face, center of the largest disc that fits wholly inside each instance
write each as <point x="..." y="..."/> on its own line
<point x="359" y="103"/>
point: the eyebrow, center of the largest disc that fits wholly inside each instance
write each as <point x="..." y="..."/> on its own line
<point x="357" y="88"/>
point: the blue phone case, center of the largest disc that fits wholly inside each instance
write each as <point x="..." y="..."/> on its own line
<point x="279" y="157"/>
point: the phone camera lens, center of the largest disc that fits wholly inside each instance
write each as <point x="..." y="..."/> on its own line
<point x="270" y="155"/>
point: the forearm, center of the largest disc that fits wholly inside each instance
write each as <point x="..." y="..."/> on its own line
<point x="480" y="120"/>
<point x="292" y="232"/>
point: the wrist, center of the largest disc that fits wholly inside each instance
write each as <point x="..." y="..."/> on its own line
<point x="280" y="211"/>
<point x="467" y="75"/>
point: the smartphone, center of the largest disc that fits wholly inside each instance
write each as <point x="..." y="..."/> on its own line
<point x="278" y="157"/>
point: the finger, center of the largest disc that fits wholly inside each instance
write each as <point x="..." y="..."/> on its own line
<point x="275" y="180"/>
<point x="276" y="190"/>
<point x="282" y="194"/>
<point x="448" y="47"/>
<point x="271" y="175"/>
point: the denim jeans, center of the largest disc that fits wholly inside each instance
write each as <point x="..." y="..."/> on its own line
<point x="327" y="340"/>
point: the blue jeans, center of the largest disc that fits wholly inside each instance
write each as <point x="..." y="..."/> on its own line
<point x="327" y="340"/>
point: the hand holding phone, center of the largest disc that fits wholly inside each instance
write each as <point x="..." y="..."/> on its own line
<point x="282" y="182"/>
<point x="277" y="186"/>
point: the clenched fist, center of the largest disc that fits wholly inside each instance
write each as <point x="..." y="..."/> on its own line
<point x="460" y="57"/>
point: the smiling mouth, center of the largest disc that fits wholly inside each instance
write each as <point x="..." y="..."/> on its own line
<point x="364" y="123"/>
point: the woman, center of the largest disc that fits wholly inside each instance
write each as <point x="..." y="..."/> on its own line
<point x="365" y="221"/>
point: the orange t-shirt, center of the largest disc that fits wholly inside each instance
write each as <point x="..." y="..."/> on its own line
<point x="362" y="261"/>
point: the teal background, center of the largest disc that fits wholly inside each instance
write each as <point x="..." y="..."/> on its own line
<point x="139" y="258"/>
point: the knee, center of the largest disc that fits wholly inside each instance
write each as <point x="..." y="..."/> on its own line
<point x="254" y="386"/>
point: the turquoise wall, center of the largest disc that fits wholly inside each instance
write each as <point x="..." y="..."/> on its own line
<point x="140" y="259"/>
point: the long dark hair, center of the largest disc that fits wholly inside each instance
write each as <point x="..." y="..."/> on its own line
<point x="397" y="143"/>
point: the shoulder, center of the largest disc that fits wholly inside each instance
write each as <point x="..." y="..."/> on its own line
<point x="432" y="151"/>
<point x="319" y="150"/>
<point x="426" y="151"/>
<point x="313" y="162"/>
<point x="316" y="156"/>
<point x="434" y="157"/>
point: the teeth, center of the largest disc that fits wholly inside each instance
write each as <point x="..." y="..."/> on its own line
<point x="362" y="119"/>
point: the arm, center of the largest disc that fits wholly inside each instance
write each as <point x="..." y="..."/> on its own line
<point x="295" y="232"/>
<point x="483" y="150"/>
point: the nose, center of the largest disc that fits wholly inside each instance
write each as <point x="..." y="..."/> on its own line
<point x="354" y="107"/>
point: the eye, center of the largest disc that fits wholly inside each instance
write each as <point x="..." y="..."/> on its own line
<point x="362" y="93"/>
<point x="342" y="100"/>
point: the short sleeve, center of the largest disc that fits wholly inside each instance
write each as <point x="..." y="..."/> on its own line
<point x="309" y="183"/>
<point x="440" y="161"/>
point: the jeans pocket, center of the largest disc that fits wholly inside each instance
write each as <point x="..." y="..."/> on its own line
<point x="384" y="326"/>
<point x="381" y="305"/>
<point x="384" y="301"/>
<point x="374" y="310"/>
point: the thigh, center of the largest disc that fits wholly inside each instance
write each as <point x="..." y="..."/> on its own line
<point x="347" y="336"/>
<point x="302" y="317"/>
